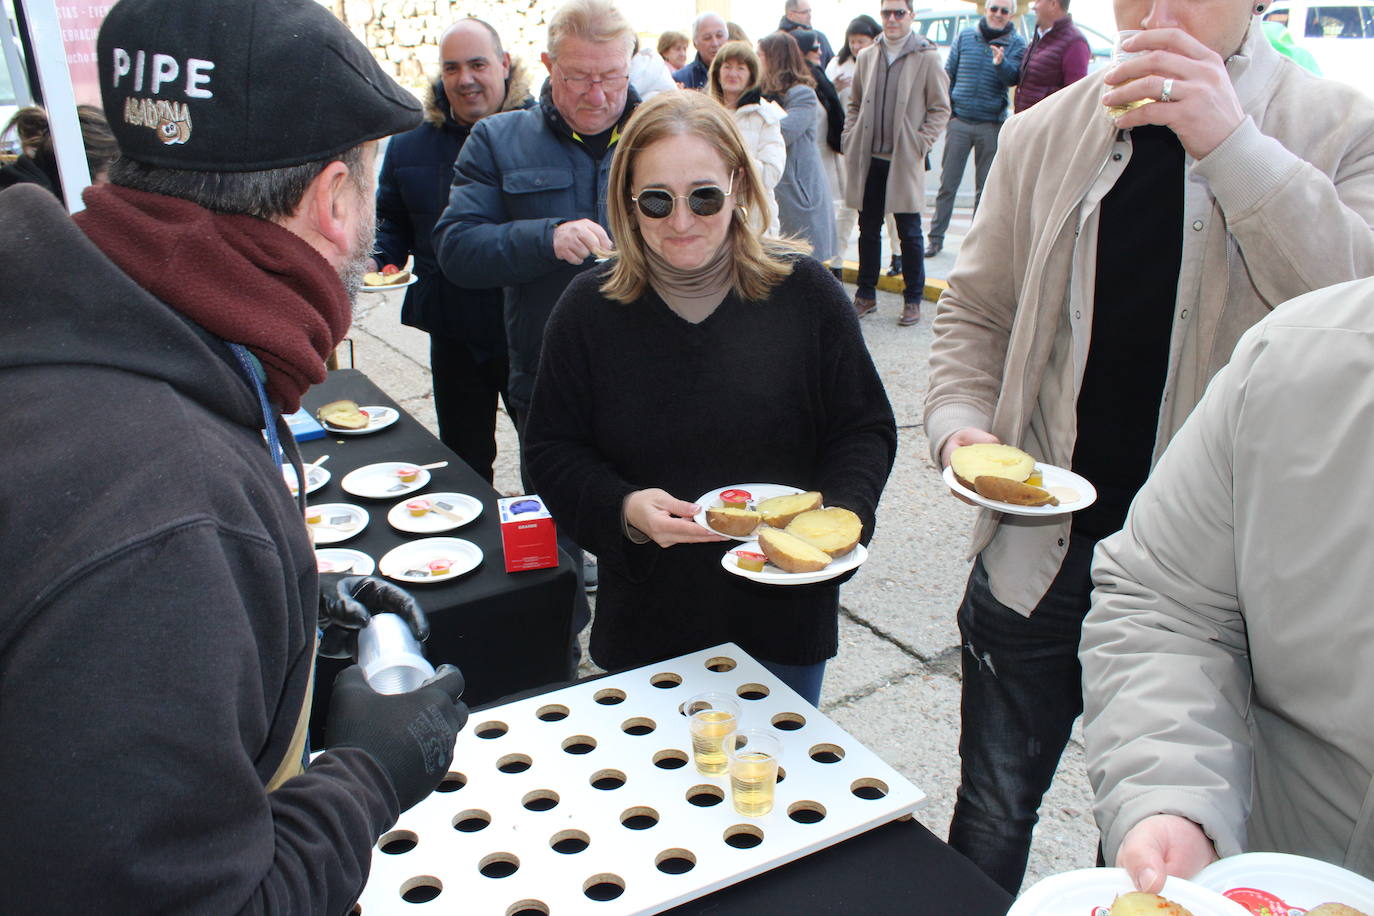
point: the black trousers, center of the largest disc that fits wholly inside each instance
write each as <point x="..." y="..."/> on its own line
<point x="465" y="400"/>
<point x="908" y="237"/>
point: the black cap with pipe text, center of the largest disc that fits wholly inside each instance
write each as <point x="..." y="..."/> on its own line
<point x="241" y="85"/>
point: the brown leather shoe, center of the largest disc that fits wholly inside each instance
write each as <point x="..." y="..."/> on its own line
<point x="864" y="305"/>
<point x="911" y="314"/>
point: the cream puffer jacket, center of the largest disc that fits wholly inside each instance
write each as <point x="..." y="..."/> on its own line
<point x="759" y="122"/>
<point x="1283" y="206"/>
<point x="1227" y="653"/>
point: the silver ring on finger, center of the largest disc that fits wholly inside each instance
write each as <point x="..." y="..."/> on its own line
<point x="1167" y="93"/>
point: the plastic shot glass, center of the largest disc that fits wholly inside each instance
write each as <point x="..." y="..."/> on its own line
<point x="753" y="757"/>
<point x="711" y="717"/>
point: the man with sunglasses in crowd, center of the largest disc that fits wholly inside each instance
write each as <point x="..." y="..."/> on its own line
<point x="983" y="61"/>
<point x="528" y="207"/>
<point x="1058" y="54"/>
<point x="898" y="106"/>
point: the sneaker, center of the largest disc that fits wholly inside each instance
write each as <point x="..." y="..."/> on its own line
<point x="895" y="269"/>
<point x="933" y="249"/>
<point x="863" y="305"/>
<point x="589" y="575"/>
<point x="911" y="313"/>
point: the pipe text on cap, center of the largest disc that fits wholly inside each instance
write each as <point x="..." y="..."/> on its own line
<point x="165" y="69"/>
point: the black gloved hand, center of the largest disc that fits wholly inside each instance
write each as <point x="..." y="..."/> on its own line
<point x="409" y="734"/>
<point x="347" y="604"/>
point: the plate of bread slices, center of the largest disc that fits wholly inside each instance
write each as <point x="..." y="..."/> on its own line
<point x="789" y="536"/>
<point x="1009" y="480"/>
<point x="1109" y="892"/>
<point x="388" y="278"/>
<point x="346" y="418"/>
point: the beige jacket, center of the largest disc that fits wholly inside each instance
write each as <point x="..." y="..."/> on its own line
<point x="922" y="112"/>
<point x="1283" y="206"/>
<point x="1227" y="653"/>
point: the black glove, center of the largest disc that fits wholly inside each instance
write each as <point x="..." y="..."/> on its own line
<point x="410" y="735"/>
<point x="347" y="604"/>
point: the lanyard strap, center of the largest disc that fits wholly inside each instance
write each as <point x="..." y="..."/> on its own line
<point x="269" y="422"/>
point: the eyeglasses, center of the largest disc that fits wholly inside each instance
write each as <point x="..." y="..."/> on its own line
<point x="607" y="83"/>
<point x="656" y="203"/>
<point x="999" y="9"/>
<point x="895" y="14"/>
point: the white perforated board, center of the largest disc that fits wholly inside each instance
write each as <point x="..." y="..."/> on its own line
<point x="854" y="793"/>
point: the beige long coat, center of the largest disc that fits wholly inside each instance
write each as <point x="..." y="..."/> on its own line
<point x="922" y="112"/>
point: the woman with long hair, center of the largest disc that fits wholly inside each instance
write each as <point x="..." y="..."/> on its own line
<point x="805" y="208"/>
<point x="699" y="355"/>
<point x="734" y="82"/>
<point x="862" y="32"/>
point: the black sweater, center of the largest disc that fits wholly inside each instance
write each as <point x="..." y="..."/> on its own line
<point x="633" y="396"/>
<point x="159" y="614"/>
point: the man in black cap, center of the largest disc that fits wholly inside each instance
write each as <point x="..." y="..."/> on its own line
<point x="162" y="605"/>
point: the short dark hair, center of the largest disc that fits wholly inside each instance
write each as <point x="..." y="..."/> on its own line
<point x="1064" y="5"/>
<point x="268" y="194"/>
<point x="859" y="25"/>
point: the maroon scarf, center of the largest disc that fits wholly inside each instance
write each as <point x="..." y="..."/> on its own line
<point x="243" y="279"/>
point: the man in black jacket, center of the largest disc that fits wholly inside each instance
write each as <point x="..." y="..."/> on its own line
<point x="467" y="333"/>
<point x="162" y="606"/>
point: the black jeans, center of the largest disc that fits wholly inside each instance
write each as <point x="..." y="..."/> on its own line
<point x="465" y="397"/>
<point x="1022" y="690"/>
<point x="871" y="246"/>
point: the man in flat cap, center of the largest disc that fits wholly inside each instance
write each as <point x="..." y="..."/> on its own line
<point x="162" y="605"/>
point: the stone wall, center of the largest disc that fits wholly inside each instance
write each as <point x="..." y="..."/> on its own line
<point x="404" y="34"/>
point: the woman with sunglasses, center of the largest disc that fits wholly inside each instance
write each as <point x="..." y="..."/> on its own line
<point x="734" y="82"/>
<point x="805" y="207"/>
<point x="700" y="355"/>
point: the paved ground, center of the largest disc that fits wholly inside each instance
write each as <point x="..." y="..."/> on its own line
<point x="895" y="683"/>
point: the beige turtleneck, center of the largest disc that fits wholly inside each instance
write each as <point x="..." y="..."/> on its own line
<point x="694" y="293"/>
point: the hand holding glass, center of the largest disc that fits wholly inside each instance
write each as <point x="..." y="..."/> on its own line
<point x="1120" y="56"/>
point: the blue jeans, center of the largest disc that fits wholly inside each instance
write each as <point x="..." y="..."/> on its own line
<point x="871" y="246"/>
<point x="1022" y="690"/>
<point x="805" y="679"/>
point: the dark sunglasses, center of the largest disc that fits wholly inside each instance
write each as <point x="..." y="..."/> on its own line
<point x="656" y="203"/>
<point x="999" y="9"/>
<point x="895" y="14"/>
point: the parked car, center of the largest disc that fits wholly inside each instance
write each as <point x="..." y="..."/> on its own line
<point x="1338" y="34"/>
<point x="943" y="25"/>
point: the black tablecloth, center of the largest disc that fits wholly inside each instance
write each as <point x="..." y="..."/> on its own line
<point x="898" y="869"/>
<point x="509" y="632"/>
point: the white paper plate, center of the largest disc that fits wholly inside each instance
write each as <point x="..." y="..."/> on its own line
<point x="460" y="504"/>
<point x="345" y="560"/>
<point x="1298" y="881"/>
<point x="771" y="575"/>
<point x="760" y="491"/>
<point x="1090" y="892"/>
<point x="314" y="478"/>
<point x="408" y="562"/>
<point x="1054" y="477"/>
<point x="390" y="286"/>
<point x="344" y="520"/>
<point x="379" y="481"/>
<point x="378" y="419"/>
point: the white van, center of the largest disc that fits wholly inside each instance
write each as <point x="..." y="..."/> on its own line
<point x="1338" y="33"/>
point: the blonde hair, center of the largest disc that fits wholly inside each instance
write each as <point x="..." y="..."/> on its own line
<point x="597" y="21"/>
<point x="758" y="264"/>
<point x="740" y="51"/>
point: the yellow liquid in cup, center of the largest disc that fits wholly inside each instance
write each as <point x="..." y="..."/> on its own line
<point x="1117" y="111"/>
<point x="709" y="730"/>
<point x="752" y="778"/>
